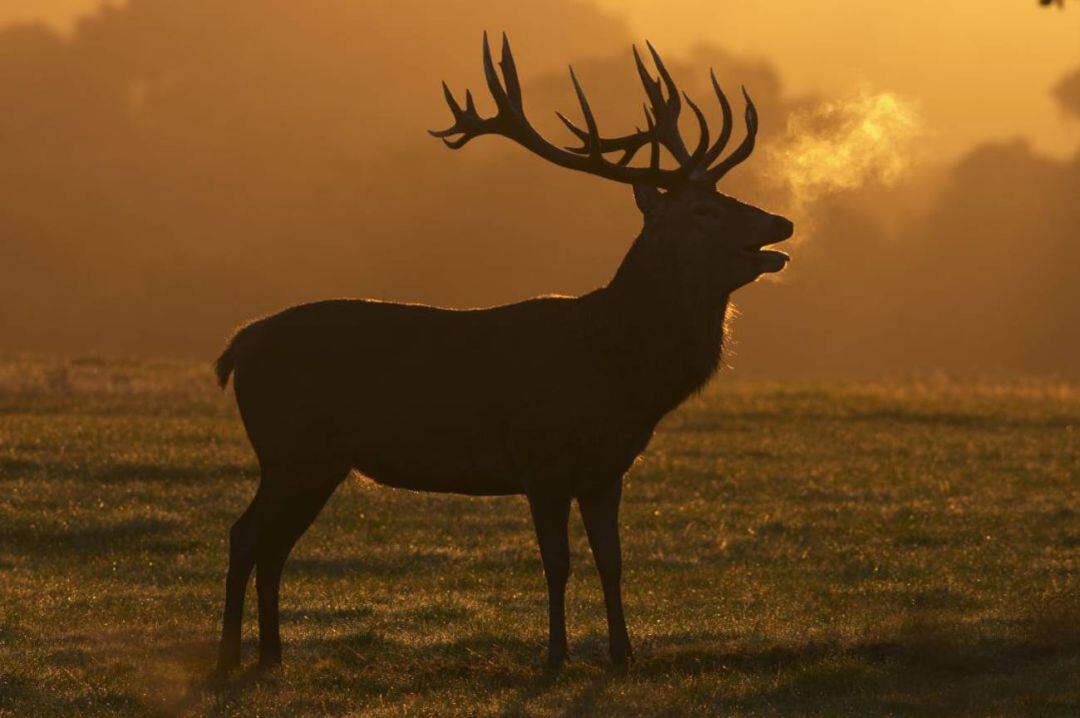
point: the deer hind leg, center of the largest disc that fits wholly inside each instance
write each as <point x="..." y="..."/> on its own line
<point x="282" y="521"/>
<point x="551" y="515"/>
<point x="242" y="538"/>
<point x="600" y="513"/>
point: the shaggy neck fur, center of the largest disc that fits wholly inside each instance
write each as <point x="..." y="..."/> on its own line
<point x="666" y="324"/>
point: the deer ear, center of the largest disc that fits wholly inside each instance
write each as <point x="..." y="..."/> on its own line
<point x="647" y="197"/>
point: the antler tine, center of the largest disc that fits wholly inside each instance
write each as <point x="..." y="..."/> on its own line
<point x="725" y="129"/>
<point x="666" y="112"/>
<point x="642" y="138"/>
<point x="581" y="134"/>
<point x="654" y="146"/>
<point x="509" y="121"/>
<point x="628" y="145"/>
<point x="509" y="71"/>
<point x="745" y="147"/>
<point x="593" y="139"/>
<point x="703" y="137"/>
<point x="502" y="101"/>
<point x="454" y="107"/>
<point x="651" y="84"/>
<point x="673" y="91"/>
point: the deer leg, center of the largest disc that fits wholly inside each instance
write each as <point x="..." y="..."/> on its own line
<point x="281" y="530"/>
<point x="600" y="513"/>
<point x="241" y="561"/>
<point x="551" y="515"/>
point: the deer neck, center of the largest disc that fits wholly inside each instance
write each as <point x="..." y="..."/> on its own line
<point x="666" y="334"/>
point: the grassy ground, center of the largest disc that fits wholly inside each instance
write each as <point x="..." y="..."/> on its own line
<point x="845" y="549"/>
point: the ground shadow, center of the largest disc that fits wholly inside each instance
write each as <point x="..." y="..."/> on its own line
<point x="920" y="668"/>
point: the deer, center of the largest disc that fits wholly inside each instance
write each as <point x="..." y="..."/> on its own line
<point x="553" y="398"/>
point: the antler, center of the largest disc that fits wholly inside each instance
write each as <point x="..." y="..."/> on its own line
<point x="745" y="147"/>
<point x="509" y="121"/>
<point x="665" y="113"/>
<point x="665" y="130"/>
<point x="661" y="121"/>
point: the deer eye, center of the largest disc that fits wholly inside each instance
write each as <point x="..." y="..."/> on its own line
<point x="704" y="210"/>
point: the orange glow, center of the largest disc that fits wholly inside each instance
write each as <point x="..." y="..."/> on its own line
<point x="173" y="168"/>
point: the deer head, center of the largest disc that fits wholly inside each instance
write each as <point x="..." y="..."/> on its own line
<point x="714" y="238"/>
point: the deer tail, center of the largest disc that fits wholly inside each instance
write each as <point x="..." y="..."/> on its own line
<point x="224" y="365"/>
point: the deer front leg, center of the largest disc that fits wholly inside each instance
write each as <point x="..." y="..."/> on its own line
<point x="550" y="515"/>
<point x="600" y="513"/>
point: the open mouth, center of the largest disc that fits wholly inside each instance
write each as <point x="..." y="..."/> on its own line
<point x="770" y="260"/>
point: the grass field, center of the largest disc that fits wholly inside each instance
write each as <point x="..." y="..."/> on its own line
<point x="898" y="548"/>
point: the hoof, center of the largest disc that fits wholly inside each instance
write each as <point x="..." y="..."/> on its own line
<point x="269" y="664"/>
<point x="228" y="663"/>
<point x="554" y="664"/>
<point x="219" y="678"/>
<point x="622" y="656"/>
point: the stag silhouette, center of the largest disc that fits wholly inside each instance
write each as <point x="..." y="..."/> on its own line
<point x="552" y="398"/>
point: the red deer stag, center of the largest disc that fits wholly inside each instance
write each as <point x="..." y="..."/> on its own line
<point x="552" y="398"/>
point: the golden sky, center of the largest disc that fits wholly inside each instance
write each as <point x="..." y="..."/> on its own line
<point x="182" y="165"/>
<point x="976" y="70"/>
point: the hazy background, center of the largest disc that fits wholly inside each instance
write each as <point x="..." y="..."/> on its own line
<point x="169" y="169"/>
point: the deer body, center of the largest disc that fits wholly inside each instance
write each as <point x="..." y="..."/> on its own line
<point x="472" y="402"/>
<point x="552" y="398"/>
